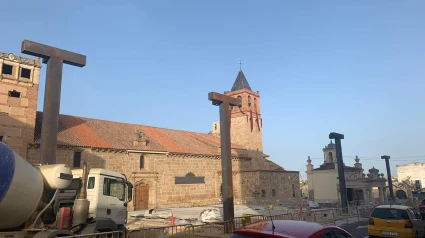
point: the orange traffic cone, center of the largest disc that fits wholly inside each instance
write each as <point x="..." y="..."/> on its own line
<point x="172" y="219"/>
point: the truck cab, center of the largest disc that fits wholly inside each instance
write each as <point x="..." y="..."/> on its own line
<point x="108" y="192"/>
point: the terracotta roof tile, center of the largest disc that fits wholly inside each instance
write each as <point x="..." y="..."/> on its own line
<point x="65" y="136"/>
<point x="158" y="135"/>
<point x="83" y="132"/>
<point x="213" y="140"/>
<point x="87" y="132"/>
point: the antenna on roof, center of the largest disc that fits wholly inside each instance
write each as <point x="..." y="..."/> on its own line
<point x="271" y="219"/>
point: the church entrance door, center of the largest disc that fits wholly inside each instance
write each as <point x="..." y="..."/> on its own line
<point x="142" y="196"/>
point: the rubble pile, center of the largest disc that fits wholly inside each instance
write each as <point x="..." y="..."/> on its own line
<point x="211" y="215"/>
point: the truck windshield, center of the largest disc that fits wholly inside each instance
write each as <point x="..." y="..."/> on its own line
<point x="114" y="188"/>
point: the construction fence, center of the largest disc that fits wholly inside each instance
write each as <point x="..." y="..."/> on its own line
<point x="224" y="229"/>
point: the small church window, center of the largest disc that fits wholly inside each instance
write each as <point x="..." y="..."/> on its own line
<point x="7" y="69"/>
<point x="14" y="94"/>
<point x="239" y="99"/>
<point x="77" y="159"/>
<point x="273" y="192"/>
<point x="263" y="193"/>
<point x="293" y="190"/>
<point x="249" y="100"/>
<point x="25" y="73"/>
<point x="142" y="162"/>
<point x="331" y="159"/>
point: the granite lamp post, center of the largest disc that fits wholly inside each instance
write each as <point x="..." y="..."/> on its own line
<point x="390" y="181"/>
<point x="54" y="58"/>
<point x="225" y="102"/>
<point x="342" y="188"/>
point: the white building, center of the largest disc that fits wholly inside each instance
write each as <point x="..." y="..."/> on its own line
<point x="323" y="184"/>
<point x="415" y="170"/>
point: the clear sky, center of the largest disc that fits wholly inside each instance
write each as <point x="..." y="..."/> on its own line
<point x="353" y="67"/>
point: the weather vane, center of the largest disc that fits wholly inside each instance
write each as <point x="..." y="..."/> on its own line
<point x="240" y="65"/>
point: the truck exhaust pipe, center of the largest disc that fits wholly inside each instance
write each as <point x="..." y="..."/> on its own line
<point x="83" y="190"/>
<point x="81" y="204"/>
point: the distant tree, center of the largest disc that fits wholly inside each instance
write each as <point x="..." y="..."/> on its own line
<point x="406" y="184"/>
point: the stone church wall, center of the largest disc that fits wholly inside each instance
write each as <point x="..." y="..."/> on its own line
<point x="19" y="80"/>
<point x="264" y="187"/>
<point x="159" y="172"/>
<point x="286" y="186"/>
<point x="241" y="134"/>
<point x="17" y="115"/>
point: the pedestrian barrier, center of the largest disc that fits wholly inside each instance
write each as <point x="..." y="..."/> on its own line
<point x="219" y="229"/>
<point x="223" y="229"/>
<point x="155" y="232"/>
<point x="111" y="234"/>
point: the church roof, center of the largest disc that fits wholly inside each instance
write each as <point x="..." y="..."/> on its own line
<point x="240" y="82"/>
<point x="95" y="133"/>
<point x="330" y="166"/>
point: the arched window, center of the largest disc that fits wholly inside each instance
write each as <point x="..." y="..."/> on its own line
<point x="249" y="100"/>
<point x="331" y="159"/>
<point x="142" y="162"/>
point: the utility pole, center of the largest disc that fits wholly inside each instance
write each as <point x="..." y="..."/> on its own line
<point x="224" y="102"/>
<point x="342" y="189"/>
<point x="390" y="181"/>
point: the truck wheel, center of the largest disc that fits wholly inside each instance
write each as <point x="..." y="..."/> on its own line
<point x="123" y="230"/>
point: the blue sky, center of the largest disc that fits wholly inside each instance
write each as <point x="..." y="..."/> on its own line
<point x="353" y="67"/>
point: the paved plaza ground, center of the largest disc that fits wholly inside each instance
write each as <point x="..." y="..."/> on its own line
<point x="192" y="215"/>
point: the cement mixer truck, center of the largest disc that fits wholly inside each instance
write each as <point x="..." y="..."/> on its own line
<point x="46" y="201"/>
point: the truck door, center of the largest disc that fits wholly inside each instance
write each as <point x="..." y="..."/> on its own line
<point x="114" y="189"/>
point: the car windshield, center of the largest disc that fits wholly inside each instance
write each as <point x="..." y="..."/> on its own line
<point x="423" y="202"/>
<point x="390" y="214"/>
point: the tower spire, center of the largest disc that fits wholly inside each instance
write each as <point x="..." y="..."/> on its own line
<point x="240" y="82"/>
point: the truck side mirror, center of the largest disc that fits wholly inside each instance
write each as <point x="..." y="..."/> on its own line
<point x="129" y="191"/>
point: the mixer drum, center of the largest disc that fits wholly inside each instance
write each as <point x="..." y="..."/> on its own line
<point x="21" y="188"/>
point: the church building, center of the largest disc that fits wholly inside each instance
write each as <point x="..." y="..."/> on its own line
<point x="323" y="182"/>
<point x="168" y="167"/>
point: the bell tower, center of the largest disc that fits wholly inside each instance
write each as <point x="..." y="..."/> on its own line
<point x="246" y="122"/>
<point x="329" y="153"/>
<point x="19" y="80"/>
